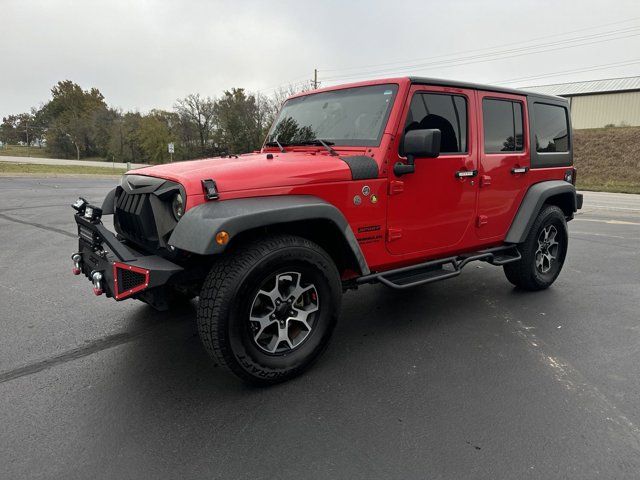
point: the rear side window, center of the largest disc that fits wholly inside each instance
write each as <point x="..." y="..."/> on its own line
<point x="502" y="120"/>
<point x="551" y="128"/>
<point x="447" y="113"/>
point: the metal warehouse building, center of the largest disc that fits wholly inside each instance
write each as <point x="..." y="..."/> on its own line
<point x="598" y="103"/>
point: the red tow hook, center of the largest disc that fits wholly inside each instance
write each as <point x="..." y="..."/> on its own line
<point x="96" y="277"/>
<point x="77" y="258"/>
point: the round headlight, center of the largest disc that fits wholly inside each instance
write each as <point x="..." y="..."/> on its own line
<point x="177" y="205"/>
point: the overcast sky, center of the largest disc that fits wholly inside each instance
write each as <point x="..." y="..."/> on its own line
<point x="145" y="54"/>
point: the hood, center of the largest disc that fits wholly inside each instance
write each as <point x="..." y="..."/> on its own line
<point x="252" y="171"/>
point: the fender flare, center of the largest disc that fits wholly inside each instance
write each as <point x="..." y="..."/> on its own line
<point x="195" y="232"/>
<point x="108" y="204"/>
<point x="532" y="203"/>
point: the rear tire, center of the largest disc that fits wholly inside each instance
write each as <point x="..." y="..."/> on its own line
<point x="267" y="308"/>
<point x="543" y="252"/>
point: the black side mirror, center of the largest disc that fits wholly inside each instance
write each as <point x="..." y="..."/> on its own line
<point x="422" y="143"/>
<point x="418" y="143"/>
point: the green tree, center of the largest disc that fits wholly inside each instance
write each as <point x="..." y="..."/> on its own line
<point x="24" y="128"/>
<point x="124" y="142"/>
<point x="240" y="124"/>
<point x="72" y="116"/>
<point x="9" y="130"/>
<point x="154" y="136"/>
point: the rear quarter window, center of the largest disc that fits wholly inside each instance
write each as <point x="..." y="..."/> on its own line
<point x="551" y="128"/>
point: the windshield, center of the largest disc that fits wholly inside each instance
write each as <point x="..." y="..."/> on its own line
<point x="352" y="116"/>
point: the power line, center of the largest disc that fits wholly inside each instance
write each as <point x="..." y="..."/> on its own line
<point x="566" y="72"/>
<point x="480" y="58"/>
<point x="298" y="81"/>
<point x="500" y="55"/>
<point x="481" y="49"/>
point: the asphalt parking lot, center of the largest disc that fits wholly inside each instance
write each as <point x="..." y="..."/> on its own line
<point x="467" y="378"/>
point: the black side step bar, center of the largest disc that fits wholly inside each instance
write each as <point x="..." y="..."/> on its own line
<point x="440" y="269"/>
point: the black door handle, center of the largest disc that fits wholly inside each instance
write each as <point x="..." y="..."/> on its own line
<point x="466" y="173"/>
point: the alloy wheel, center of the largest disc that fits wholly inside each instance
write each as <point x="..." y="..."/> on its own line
<point x="283" y="312"/>
<point x="548" y="246"/>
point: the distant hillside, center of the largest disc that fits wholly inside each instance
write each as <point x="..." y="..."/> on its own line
<point x="608" y="159"/>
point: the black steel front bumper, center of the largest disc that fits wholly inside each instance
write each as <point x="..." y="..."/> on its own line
<point x="116" y="269"/>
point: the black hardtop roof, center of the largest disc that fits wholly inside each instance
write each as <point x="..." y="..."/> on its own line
<point x="477" y="86"/>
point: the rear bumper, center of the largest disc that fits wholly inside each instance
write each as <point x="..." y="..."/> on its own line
<point x="114" y="268"/>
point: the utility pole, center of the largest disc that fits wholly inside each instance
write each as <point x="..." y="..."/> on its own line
<point x="315" y="78"/>
<point x="26" y="129"/>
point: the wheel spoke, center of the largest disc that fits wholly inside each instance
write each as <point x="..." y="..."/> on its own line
<point x="302" y="316"/>
<point x="283" y="335"/>
<point x="272" y="295"/>
<point x="264" y="322"/>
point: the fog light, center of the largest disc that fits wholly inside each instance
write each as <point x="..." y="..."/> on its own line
<point x="92" y="213"/>
<point x="79" y="205"/>
<point x="222" y="238"/>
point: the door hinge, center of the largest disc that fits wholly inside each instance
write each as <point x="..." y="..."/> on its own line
<point x="485" y="180"/>
<point x="394" y="234"/>
<point x="396" y="187"/>
<point x="482" y="220"/>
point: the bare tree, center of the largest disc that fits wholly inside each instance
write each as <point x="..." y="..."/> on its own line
<point x="271" y="106"/>
<point x="200" y="111"/>
<point x="281" y="94"/>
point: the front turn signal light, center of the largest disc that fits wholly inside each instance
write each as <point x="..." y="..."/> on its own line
<point x="222" y="238"/>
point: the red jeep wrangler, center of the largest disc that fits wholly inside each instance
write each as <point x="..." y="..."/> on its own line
<point x="401" y="181"/>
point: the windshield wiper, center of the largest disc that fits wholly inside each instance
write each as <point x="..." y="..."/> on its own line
<point x="275" y="143"/>
<point x="318" y="141"/>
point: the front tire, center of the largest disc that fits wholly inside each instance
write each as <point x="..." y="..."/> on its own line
<point x="543" y="252"/>
<point x="267" y="309"/>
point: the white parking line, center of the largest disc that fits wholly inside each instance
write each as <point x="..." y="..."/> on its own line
<point x="612" y="208"/>
<point x="612" y="222"/>
<point x="603" y="235"/>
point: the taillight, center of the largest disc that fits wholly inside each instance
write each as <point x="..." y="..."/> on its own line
<point x="570" y="176"/>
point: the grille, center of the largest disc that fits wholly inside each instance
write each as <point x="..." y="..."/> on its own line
<point x="129" y="280"/>
<point x="134" y="217"/>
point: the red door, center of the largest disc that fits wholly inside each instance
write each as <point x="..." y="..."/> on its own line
<point x="504" y="161"/>
<point x="430" y="210"/>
